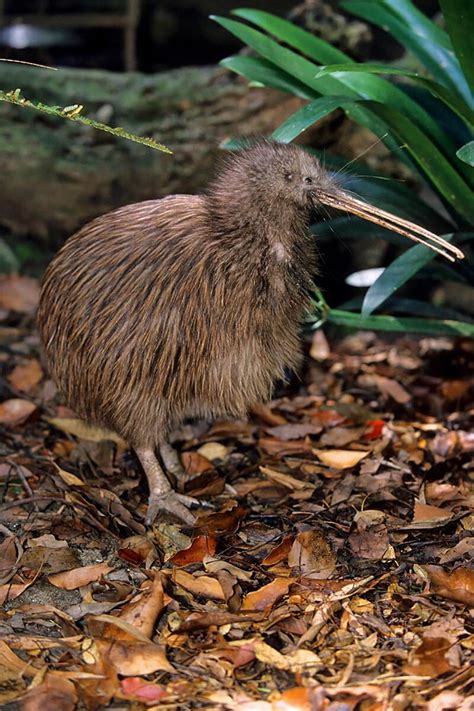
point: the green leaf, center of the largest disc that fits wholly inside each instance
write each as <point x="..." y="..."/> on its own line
<point x="396" y="274"/>
<point x="73" y="113"/>
<point x="441" y="173"/>
<point x="306" y="117"/>
<point x="367" y="86"/>
<point x="459" y="16"/>
<point x="260" y="70"/>
<point x="401" y="324"/>
<point x="451" y="99"/>
<point x="416" y="33"/>
<point x="466" y="153"/>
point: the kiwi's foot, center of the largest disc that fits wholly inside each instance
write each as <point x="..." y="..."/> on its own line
<point x="171" y="502"/>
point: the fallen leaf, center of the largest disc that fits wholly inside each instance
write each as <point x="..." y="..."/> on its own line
<point x="26" y="376"/>
<point x="280" y="552"/>
<point x="267" y="595"/>
<point x="77" y="577"/>
<point x="201" y="585"/>
<point x="312" y="555"/>
<point x="55" y="693"/>
<point x="297" y="699"/>
<point x="16" y="411"/>
<point x="140" y="689"/>
<point x="429" y="658"/>
<point x="213" y="450"/>
<point x="296" y="661"/>
<point x="195" y="463"/>
<point x="82" y="430"/>
<point x="199" y="548"/>
<point x="426" y="514"/>
<point x="340" y="458"/>
<point x="289" y="482"/>
<point x="280" y="447"/>
<point x="294" y="430"/>
<point x="319" y="349"/>
<point x="387" y="386"/>
<point x="131" y="658"/>
<point x="18" y="293"/>
<point x="142" y="611"/>
<point x="458" y="585"/>
<point x="369" y="539"/>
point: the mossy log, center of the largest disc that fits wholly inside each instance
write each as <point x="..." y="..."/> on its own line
<point x="56" y="175"/>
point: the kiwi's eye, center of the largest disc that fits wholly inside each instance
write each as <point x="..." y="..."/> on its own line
<point x="289" y="177"/>
<point x="308" y="181"/>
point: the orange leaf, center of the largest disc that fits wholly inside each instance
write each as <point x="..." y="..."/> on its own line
<point x="429" y="658"/>
<point x="296" y="699"/>
<point x="140" y="689"/>
<point x="339" y="458"/>
<point x="77" y="577"/>
<point x="426" y="514"/>
<point x="458" y="585"/>
<point x="195" y="463"/>
<point x="200" y="547"/>
<point x="55" y="692"/>
<point x="142" y="611"/>
<point x="16" y="411"/>
<point x="25" y="377"/>
<point x="267" y="595"/>
<point x="203" y="585"/>
<point x="280" y="552"/>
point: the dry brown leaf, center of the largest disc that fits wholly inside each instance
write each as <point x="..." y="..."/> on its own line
<point x="142" y="610"/>
<point x="69" y="478"/>
<point x="77" y="577"/>
<point x="139" y="689"/>
<point x="370" y="538"/>
<point x="82" y="430"/>
<point x="387" y="386"/>
<point x="429" y="658"/>
<point x="55" y="693"/>
<point x="25" y="377"/>
<point x="267" y="595"/>
<point x="280" y="552"/>
<point x="286" y="480"/>
<point x="194" y="463"/>
<point x="16" y="411"/>
<point x="18" y="293"/>
<point x="280" y="447"/>
<point x="294" y="430"/>
<point x="10" y="591"/>
<point x="12" y="666"/>
<point x="340" y="458"/>
<point x="297" y="699"/>
<point x="296" y="661"/>
<point x="426" y="514"/>
<point x="203" y="585"/>
<point x="199" y="548"/>
<point x="213" y="450"/>
<point x="319" y="346"/>
<point x="312" y="555"/>
<point x="458" y="585"/>
<point x="132" y="658"/>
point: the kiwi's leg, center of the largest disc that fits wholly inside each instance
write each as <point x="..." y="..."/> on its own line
<point x="162" y="495"/>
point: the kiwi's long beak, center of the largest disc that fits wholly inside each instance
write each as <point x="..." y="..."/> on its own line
<point x="343" y="201"/>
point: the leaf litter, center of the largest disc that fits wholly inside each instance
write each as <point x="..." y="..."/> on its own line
<point x="331" y="569"/>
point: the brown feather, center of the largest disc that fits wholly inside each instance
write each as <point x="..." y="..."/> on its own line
<point x="185" y="306"/>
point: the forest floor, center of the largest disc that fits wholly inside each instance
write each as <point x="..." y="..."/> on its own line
<point x="331" y="569"/>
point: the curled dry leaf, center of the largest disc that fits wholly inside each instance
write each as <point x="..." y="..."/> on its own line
<point x="139" y="689"/>
<point x="199" y="548"/>
<point x="16" y="411"/>
<point x="340" y="458"/>
<point x="142" y="611"/>
<point x="457" y="585"/>
<point x="289" y="482"/>
<point x="82" y="430"/>
<point x="429" y="658"/>
<point x="312" y="555"/>
<point x="26" y="376"/>
<point x="55" y="692"/>
<point x="430" y="516"/>
<point x="203" y="585"/>
<point x="194" y="463"/>
<point x="296" y="661"/>
<point x="280" y="552"/>
<point x="213" y="450"/>
<point x="137" y="550"/>
<point x="387" y="386"/>
<point x="267" y="595"/>
<point x="18" y="293"/>
<point x="369" y="539"/>
<point x="77" y="577"/>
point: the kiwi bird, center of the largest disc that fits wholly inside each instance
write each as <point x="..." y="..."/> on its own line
<point x="191" y="305"/>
